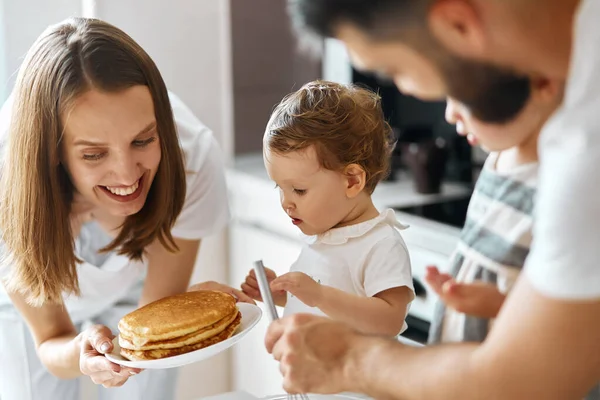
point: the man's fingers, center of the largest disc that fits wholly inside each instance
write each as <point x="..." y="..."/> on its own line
<point x="274" y="333"/>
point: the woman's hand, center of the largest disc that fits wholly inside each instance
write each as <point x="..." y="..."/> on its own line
<point x="95" y="342"/>
<point x="212" y="285"/>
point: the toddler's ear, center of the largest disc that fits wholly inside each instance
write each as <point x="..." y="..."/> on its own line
<point x="356" y="179"/>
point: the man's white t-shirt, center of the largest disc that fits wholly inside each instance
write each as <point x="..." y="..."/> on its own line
<point x="362" y="259"/>
<point x="565" y="256"/>
<point x="104" y="279"/>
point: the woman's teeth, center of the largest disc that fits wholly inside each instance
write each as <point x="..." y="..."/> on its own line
<point x="123" y="191"/>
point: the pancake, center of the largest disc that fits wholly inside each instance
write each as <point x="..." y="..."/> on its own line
<point x="178" y="324"/>
<point x="142" y="355"/>
<point x="192" y="338"/>
<point x="176" y="316"/>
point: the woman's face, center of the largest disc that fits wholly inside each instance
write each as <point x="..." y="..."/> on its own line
<point x="110" y="148"/>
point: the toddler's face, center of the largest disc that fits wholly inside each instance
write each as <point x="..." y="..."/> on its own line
<point x="313" y="197"/>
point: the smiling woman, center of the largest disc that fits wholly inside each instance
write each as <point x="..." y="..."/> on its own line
<point x="109" y="184"/>
<point x="107" y="129"/>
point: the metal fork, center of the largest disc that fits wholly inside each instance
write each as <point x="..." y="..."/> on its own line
<point x="265" y="293"/>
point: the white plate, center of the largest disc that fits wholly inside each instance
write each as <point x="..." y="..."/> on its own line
<point x="251" y="314"/>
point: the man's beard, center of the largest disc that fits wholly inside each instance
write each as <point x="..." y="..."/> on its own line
<point x="492" y="94"/>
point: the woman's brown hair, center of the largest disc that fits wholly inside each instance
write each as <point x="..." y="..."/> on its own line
<point x="344" y="123"/>
<point x="67" y="60"/>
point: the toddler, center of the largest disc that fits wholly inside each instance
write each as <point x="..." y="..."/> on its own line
<point x="326" y="147"/>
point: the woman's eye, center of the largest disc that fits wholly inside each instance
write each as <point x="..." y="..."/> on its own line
<point x="144" y="143"/>
<point x="93" y="157"/>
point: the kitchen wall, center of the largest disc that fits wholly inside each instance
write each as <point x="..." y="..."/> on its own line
<point x="21" y="22"/>
<point x="266" y="67"/>
<point x="190" y="42"/>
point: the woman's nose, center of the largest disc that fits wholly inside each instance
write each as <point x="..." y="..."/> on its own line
<point x="126" y="169"/>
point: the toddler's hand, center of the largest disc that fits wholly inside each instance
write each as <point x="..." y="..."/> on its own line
<point x="478" y="299"/>
<point x="300" y="285"/>
<point x="251" y="289"/>
<point x="436" y="279"/>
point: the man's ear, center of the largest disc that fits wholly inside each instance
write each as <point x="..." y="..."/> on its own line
<point x="457" y="25"/>
<point x="356" y="179"/>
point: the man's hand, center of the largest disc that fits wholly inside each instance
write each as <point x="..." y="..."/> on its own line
<point x="478" y="299"/>
<point x="314" y="353"/>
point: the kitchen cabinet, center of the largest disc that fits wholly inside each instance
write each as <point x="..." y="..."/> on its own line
<point x="253" y="369"/>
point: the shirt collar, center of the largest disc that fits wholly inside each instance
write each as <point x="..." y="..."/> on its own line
<point x="337" y="236"/>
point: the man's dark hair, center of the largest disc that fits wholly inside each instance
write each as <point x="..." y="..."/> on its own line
<point x="493" y="94"/>
<point x="373" y="16"/>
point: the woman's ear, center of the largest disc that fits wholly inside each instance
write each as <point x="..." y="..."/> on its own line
<point x="356" y="179"/>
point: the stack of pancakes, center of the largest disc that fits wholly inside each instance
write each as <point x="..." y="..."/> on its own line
<point x="178" y="324"/>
